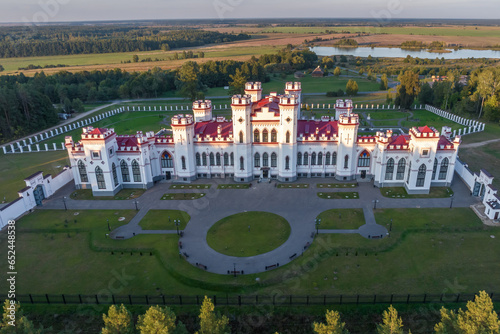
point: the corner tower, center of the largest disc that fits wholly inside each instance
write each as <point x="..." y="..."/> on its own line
<point x="202" y="110"/>
<point x="289" y="109"/>
<point x="254" y="89"/>
<point x="241" y="109"/>
<point x="295" y="88"/>
<point x="347" y="157"/>
<point x="183" y="134"/>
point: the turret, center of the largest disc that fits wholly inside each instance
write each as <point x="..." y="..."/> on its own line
<point x="202" y="110"/>
<point x="343" y="107"/>
<point x="254" y="89"/>
<point x="295" y="88"/>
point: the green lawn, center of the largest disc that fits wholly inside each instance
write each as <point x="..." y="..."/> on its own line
<point x="164" y="220"/>
<point x="293" y="185"/>
<point x="487" y="157"/>
<point x="429" y="250"/>
<point x="424" y="117"/>
<point x="336" y="185"/>
<point x="182" y="196"/>
<point x="383" y="115"/>
<point x="341" y="219"/>
<point x="14" y="168"/>
<point x="234" y="186"/>
<point x="190" y="186"/>
<point x="338" y="195"/>
<point x="124" y="194"/>
<point x="400" y="192"/>
<point x="248" y="234"/>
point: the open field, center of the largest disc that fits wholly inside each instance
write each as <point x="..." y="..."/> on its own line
<point x="428" y="250"/>
<point x="164" y="220"/>
<point x="483" y="157"/>
<point x="341" y="219"/>
<point x="14" y="168"/>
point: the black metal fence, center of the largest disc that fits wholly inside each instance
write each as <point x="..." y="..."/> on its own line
<point x="239" y="300"/>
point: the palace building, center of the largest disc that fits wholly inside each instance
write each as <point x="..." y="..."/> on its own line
<point x="267" y="137"/>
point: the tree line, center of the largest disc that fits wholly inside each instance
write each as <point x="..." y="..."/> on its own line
<point x="479" y="316"/>
<point x="51" y="40"/>
<point x="27" y="103"/>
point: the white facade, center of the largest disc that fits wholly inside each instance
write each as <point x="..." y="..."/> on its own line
<point x="266" y="138"/>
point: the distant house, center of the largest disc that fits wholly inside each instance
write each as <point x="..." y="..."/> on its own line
<point x="317" y="73"/>
<point x="298" y="74"/>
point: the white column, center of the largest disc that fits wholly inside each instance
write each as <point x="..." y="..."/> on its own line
<point x="38" y="147"/>
<point x="19" y="144"/>
<point x="4" y="150"/>
<point x="46" y="147"/>
<point x="455" y="133"/>
<point x="155" y="108"/>
<point x="12" y="148"/>
<point x="31" y="141"/>
<point x="54" y="144"/>
<point x="21" y="149"/>
<point x="62" y="146"/>
<point x="176" y="108"/>
<point x="225" y="106"/>
<point x="24" y="142"/>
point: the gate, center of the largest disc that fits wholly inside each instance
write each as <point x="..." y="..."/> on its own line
<point x="39" y="195"/>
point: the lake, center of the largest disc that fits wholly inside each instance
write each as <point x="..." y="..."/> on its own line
<point x="400" y="53"/>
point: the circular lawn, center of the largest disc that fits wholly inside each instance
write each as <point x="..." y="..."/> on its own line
<point x="248" y="233"/>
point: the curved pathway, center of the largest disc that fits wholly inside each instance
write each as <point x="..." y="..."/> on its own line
<point x="299" y="207"/>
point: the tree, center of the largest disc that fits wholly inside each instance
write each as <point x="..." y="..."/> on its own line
<point x="1" y="68"/>
<point x="157" y="320"/>
<point x="13" y="315"/>
<point x="337" y="71"/>
<point x="426" y="94"/>
<point x="408" y="89"/>
<point x="333" y="324"/>
<point x="479" y="318"/>
<point x="351" y="87"/>
<point x="211" y="322"/>
<point x="237" y="86"/>
<point x="117" y="321"/>
<point x="188" y="81"/>
<point x="391" y="322"/>
<point x="77" y="105"/>
<point x="384" y="82"/>
<point x="135" y="58"/>
<point x="488" y="85"/>
<point x="327" y="62"/>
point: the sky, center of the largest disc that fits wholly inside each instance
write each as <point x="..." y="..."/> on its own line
<point x="37" y="11"/>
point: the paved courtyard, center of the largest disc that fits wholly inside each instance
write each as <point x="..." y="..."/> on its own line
<point x="298" y="206"/>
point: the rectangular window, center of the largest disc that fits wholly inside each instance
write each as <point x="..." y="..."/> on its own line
<point x="96" y="155"/>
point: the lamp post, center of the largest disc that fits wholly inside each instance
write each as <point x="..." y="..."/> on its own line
<point x="375" y="201"/>
<point x="177" y="223"/>
<point x="136" y="207"/>
<point x="64" y="201"/>
<point x="451" y="203"/>
<point x="109" y="228"/>
<point x="234" y="269"/>
<point x="390" y="227"/>
<point x="317" y="223"/>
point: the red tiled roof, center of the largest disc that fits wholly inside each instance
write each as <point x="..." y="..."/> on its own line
<point x="443" y="141"/>
<point x="272" y="105"/>
<point x="126" y="141"/>
<point x="306" y="128"/>
<point x="425" y="129"/>
<point x="400" y="140"/>
<point x="210" y="128"/>
<point x="98" y="131"/>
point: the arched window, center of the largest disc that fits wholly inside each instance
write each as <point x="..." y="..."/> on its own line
<point x="242" y="163"/>
<point x="306" y="158"/>
<point x="408" y="175"/>
<point x="346" y="161"/>
<point x="83" y="172"/>
<point x="136" y="172"/>
<point x="288" y="137"/>
<point x="212" y="159"/>
<point x="287" y="162"/>
<point x="115" y="175"/>
<point x="421" y="175"/>
<point x="217" y="159"/>
<point x="434" y="169"/>
<point x="265" y="160"/>
<point x="327" y="159"/>
<point x="389" y="169"/>
<point x="364" y="159"/>
<point x="241" y="137"/>
<point x="265" y="136"/>
<point x="274" y="160"/>
<point x="166" y="160"/>
<point x="256" y="136"/>
<point x="299" y="158"/>
<point x="125" y="171"/>
<point x="99" y="175"/>
<point x="257" y="160"/>
<point x="274" y="136"/>
<point x="400" y="174"/>
<point x="313" y="158"/>
<point x="443" y="171"/>
<point x="226" y="159"/>
<point x="183" y="162"/>
<point x="232" y="159"/>
<point x="204" y="159"/>
<point x="198" y="159"/>
<point x="320" y="158"/>
<point x="334" y="158"/>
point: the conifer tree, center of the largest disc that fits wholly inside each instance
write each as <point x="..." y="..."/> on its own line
<point x="333" y="324"/>
<point x="157" y="320"/>
<point x="211" y="322"/>
<point x="391" y="322"/>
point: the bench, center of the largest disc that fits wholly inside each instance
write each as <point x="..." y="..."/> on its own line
<point x="199" y="265"/>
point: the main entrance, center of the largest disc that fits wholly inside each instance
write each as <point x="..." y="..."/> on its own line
<point x="265" y="172"/>
<point x="363" y="174"/>
<point x="39" y="195"/>
<point x="168" y="175"/>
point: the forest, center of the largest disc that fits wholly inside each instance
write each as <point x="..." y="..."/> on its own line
<point x="64" y="40"/>
<point x="27" y="103"/>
